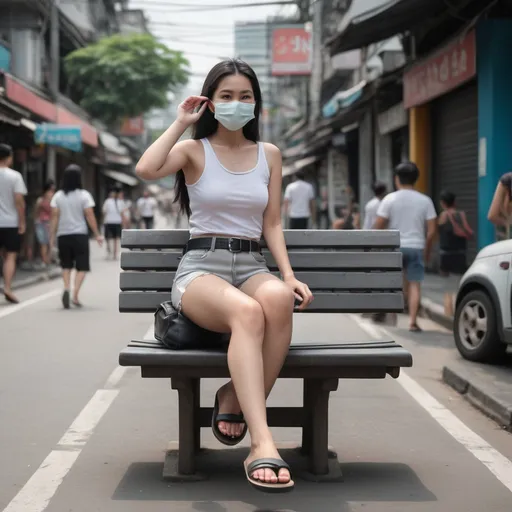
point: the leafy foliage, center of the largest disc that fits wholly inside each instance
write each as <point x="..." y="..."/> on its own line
<point x="124" y="76"/>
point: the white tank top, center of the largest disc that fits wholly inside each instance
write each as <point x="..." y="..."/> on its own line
<point x="227" y="202"/>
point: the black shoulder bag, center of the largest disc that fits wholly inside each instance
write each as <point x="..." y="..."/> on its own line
<point x="174" y="330"/>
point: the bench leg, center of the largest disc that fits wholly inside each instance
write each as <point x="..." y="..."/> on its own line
<point x="188" y="391"/>
<point x="197" y="407"/>
<point x="307" y="405"/>
<point x="318" y="398"/>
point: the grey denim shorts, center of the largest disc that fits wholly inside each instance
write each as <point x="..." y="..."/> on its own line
<point x="233" y="267"/>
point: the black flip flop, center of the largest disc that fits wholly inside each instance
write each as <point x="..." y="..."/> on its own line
<point x="415" y="328"/>
<point x="226" y="418"/>
<point x="275" y="465"/>
<point x="11" y="299"/>
<point x="65" y="299"/>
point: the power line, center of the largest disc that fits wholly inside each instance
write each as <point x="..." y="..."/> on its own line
<point x="198" y="8"/>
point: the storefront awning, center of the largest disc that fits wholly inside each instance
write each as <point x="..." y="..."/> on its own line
<point x="343" y="99"/>
<point x="370" y="21"/>
<point x="126" y="179"/>
<point x="297" y="166"/>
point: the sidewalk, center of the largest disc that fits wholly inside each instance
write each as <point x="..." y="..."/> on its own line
<point x="432" y="292"/>
<point x="26" y="276"/>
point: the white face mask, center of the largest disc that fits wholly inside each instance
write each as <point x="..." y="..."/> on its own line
<point x="234" y="114"/>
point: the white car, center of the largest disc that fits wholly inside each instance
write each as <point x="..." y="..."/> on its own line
<point x="483" y="320"/>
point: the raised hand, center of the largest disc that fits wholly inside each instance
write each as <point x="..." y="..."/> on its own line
<point x="187" y="109"/>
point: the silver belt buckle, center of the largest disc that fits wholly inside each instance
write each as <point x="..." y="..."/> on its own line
<point x="230" y="245"/>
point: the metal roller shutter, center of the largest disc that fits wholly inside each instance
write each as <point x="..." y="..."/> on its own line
<point x="455" y="152"/>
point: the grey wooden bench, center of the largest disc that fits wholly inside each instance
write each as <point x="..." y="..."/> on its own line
<point x="348" y="272"/>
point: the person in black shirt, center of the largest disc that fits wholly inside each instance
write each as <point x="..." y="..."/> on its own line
<point x="454" y="232"/>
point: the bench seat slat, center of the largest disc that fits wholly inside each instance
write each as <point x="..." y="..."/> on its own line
<point x="162" y="281"/>
<point x="174" y="238"/>
<point x="335" y="359"/>
<point x="305" y="260"/>
<point x="348" y="302"/>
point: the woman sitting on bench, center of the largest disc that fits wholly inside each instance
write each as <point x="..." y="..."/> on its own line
<point x="229" y="184"/>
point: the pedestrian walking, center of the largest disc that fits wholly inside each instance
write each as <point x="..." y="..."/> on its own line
<point x="127" y="210"/>
<point x="414" y="216"/>
<point x="501" y="207"/>
<point x="146" y="206"/>
<point x="350" y="218"/>
<point x="114" y="211"/>
<point x="12" y="218"/>
<point x="43" y="213"/>
<point x="454" y="232"/>
<point x="230" y="185"/>
<point x="72" y="211"/>
<point x="299" y="202"/>
<point x="372" y="206"/>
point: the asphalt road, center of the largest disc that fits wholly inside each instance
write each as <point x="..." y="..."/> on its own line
<point x="79" y="434"/>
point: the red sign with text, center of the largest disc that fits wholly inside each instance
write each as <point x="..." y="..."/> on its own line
<point x="291" y="51"/>
<point x="444" y="71"/>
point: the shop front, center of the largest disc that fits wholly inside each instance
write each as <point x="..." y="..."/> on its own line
<point x="443" y="87"/>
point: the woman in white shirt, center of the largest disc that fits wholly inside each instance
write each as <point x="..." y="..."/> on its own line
<point x="114" y="210"/>
<point x="72" y="210"/>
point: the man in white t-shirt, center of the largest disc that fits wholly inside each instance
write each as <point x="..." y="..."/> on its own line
<point x="146" y="206"/>
<point x="414" y="216"/>
<point x="299" y="202"/>
<point x="372" y="206"/>
<point x="12" y="218"/>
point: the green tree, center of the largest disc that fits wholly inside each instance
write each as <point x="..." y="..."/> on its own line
<point x="124" y="76"/>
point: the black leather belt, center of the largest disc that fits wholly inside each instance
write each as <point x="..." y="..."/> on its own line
<point x="230" y="244"/>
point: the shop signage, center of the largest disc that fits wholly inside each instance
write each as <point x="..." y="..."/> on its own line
<point x="392" y="119"/>
<point x="132" y="126"/>
<point x="68" y="137"/>
<point x="447" y="69"/>
<point x="21" y="95"/>
<point x="291" y="51"/>
<point x="5" y="58"/>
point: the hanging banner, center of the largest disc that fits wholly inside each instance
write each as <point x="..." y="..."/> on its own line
<point x="291" y="51"/>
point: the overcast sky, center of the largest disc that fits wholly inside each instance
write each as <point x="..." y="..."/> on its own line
<point x="203" y="35"/>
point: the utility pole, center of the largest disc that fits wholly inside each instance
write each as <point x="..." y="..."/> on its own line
<point x="317" y="71"/>
<point x="51" y="167"/>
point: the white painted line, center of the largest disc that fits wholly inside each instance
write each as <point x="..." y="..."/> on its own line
<point x="115" y="377"/>
<point x="82" y="428"/>
<point x="150" y="333"/>
<point x="499" y="465"/>
<point x="367" y="327"/>
<point x="9" y="310"/>
<point x="36" y="494"/>
<point x="496" y="463"/>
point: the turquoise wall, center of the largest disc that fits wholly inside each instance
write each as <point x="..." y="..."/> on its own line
<point x="494" y="41"/>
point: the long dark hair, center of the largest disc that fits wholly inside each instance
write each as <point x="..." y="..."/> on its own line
<point x="207" y="125"/>
<point x="71" y="178"/>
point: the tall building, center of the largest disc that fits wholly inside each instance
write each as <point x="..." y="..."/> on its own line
<point x="253" y="45"/>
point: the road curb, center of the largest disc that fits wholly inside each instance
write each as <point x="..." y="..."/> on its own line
<point x="479" y="394"/>
<point x="35" y="279"/>
<point x="435" y="312"/>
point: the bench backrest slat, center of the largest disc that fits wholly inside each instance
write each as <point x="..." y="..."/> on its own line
<point x="295" y="239"/>
<point x="349" y="271"/>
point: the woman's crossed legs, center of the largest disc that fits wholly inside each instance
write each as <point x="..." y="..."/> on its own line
<point x="259" y="316"/>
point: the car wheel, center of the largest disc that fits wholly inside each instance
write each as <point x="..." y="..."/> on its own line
<point x="475" y="328"/>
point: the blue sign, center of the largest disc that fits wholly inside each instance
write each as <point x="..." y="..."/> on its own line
<point x="68" y="137"/>
<point x="5" y="58"/>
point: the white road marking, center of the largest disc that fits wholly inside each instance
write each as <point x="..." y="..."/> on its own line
<point x="496" y="463"/>
<point x="499" y="465"/>
<point x="115" y="377"/>
<point x="82" y="428"/>
<point x="36" y="494"/>
<point x="150" y="333"/>
<point x="367" y="327"/>
<point x="9" y="310"/>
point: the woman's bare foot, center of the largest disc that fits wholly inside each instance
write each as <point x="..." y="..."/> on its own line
<point x="228" y="404"/>
<point x="267" y="451"/>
